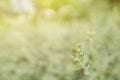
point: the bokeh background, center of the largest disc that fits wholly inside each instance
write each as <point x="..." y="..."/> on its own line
<point x="37" y="36"/>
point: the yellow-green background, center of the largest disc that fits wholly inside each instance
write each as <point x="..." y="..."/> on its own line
<point x="40" y="49"/>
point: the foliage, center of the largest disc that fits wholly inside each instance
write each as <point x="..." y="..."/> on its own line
<point x="42" y="51"/>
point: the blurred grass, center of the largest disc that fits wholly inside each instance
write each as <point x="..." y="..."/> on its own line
<point x="42" y="51"/>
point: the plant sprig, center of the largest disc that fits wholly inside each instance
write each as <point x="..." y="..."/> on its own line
<point x="80" y="58"/>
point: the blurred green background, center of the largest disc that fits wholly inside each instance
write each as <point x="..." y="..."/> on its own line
<point x="36" y="43"/>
